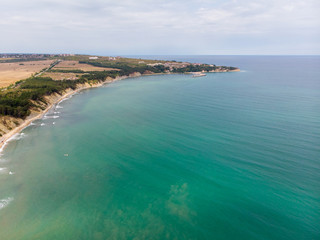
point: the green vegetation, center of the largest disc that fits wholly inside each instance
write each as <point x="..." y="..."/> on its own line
<point x="21" y="60"/>
<point x="195" y="68"/>
<point x="200" y="68"/>
<point x="126" y="68"/>
<point x="100" y="76"/>
<point x="67" y="71"/>
<point x="17" y="100"/>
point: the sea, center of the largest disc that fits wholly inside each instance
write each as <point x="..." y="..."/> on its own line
<point x="226" y="156"/>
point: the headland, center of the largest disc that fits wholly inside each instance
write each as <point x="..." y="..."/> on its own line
<point x="22" y="101"/>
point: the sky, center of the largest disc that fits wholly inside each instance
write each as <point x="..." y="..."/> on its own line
<point x="161" y="27"/>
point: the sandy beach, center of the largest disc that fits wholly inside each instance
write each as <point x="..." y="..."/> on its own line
<point x="5" y="138"/>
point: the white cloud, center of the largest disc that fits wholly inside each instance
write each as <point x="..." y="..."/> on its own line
<point x="197" y="25"/>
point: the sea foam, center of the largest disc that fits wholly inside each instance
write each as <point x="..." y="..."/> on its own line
<point x="67" y="98"/>
<point x="48" y="117"/>
<point x="17" y="136"/>
<point x="5" y="202"/>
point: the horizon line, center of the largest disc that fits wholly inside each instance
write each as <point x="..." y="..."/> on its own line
<point x="163" y="54"/>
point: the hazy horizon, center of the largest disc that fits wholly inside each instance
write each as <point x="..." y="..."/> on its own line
<point x="137" y="55"/>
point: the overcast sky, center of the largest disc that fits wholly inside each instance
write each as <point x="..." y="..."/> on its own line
<point x="122" y="27"/>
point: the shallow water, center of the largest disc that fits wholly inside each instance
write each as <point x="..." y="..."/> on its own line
<point x="226" y="156"/>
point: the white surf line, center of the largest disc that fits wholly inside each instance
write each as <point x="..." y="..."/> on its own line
<point x="4" y="139"/>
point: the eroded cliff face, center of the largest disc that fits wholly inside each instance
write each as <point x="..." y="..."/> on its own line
<point x="135" y="74"/>
<point x="8" y="123"/>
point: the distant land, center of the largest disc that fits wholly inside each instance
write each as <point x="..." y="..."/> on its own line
<point x="31" y="84"/>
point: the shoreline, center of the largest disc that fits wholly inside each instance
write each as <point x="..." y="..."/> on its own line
<point x="6" y="138"/>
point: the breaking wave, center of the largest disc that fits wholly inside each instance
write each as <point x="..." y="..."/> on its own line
<point x="5" y="202"/>
<point x="48" y="117"/>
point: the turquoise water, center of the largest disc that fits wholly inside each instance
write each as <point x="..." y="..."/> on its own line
<point x="226" y="156"/>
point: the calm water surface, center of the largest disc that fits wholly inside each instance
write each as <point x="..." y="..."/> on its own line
<point x="226" y="156"/>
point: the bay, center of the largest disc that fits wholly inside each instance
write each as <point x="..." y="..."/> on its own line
<point x="226" y="156"/>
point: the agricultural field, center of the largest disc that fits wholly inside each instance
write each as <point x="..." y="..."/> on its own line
<point x="18" y="100"/>
<point x="15" y="71"/>
<point x="75" y="65"/>
<point x="62" y="76"/>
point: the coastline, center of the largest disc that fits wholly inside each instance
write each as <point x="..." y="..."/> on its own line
<point x="25" y="123"/>
<point x="6" y="138"/>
